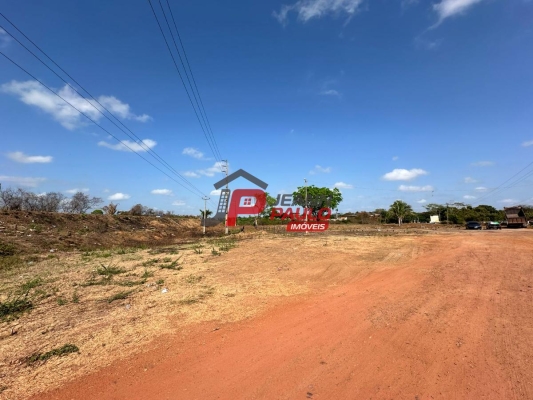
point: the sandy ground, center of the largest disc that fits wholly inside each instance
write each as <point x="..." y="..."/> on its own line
<point x="442" y="316"/>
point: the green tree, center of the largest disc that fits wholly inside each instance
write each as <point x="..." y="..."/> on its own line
<point x="399" y="210"/>
<point x="270" y="201"/>
<point x="317" y="197"/>
<point x="207" y="213"/>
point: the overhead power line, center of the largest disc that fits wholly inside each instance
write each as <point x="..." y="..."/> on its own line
<point x="94" y="122"/>
<point x="135" y="138"/>
<point x="194" y="81"/>
<point x="188" y="89"/>
<point x="501" y="187"/>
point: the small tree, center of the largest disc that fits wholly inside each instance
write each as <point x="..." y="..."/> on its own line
<point x="110" y="209"/>
<point x="148" y="211"/>
<point x="137" y="209"/>
<point x="80" y="203"/>
<point x="399" y="210"/>
<point x="50" y="202"/>
<point x="11" y="199"/>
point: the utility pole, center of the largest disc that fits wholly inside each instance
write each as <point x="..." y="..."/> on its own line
<point x="226" y="217"/>
<point x="306" y="211"/>
<point x="205" y="198"/>
<point x="450" y="203"/>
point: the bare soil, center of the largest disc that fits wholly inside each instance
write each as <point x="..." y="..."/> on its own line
<point x="443" y="315"/>
<point x="34" y="232"/>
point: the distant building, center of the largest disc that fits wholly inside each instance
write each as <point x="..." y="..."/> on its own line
<point x="434" y="219"/>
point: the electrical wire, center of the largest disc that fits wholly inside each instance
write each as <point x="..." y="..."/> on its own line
<point x="195" y="96"/>
<point x="94" y="122"/>
<point x="182" y="80"/>
<point x="194" y="80"/>
<point x="135" y="138"/>
<point x="500" y="187"/>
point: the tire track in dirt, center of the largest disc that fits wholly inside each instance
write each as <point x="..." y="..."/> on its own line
<point x="454" y="323"/>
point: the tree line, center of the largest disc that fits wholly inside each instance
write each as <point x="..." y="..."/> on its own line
<point x="456" y="213"/>
<point x="80" y="203"/>
<point x="23" y="200"/>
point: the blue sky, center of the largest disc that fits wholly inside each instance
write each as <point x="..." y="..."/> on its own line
<point x="386" y="99"/>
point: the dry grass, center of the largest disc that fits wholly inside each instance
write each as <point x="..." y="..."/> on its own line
<point x="112" y="303"/>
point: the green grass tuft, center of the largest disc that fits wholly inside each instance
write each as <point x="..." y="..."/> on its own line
<point x="109" y="270"/>
<point x="59" y="352"/>
<point x="147" y="274"/>
<point x="13" y="309"/>
<point x="119" y="296"/>
<point x="31" y="284"/>
<point x="172" y="265"/>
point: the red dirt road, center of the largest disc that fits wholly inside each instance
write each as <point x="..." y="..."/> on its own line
<point x="456" y="323"/>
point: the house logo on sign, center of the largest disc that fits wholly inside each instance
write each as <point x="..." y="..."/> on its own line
<point x="240" y="202"/>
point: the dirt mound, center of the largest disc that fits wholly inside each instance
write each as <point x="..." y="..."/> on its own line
<point x="32" y="232"/>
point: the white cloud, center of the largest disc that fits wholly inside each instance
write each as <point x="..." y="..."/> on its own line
<point x="421" y="201"/>
<point x="405" y="188"/>
<point x="319" y="169"/>
<point x="330" y="92"/>
<point x="449" y="8"/>
<point x="178" y="203"/>
<point x="119" y="196"/>
<point x="481" y="188"/>
<point x="164" y="192"/>
<point x="192" y="152"/>
<point x="128" y="145"/>
<point x="34" y="94"/>
<point x="342" y="185"/>
<point x="309" y="9"/>
<point x="508" y="201"/>
<point x="217" y="168"/>
<point x="20" y="157"/>
<point x="22" y="180"/>
<point x="121" y="109"/>
<point x="528" y="143"/>
<point x="483" y="163"/>
<point x="468" y="197"/>
<point x="395" y="158"/>
<point x="470" y="180"/>
<point x="215" y="192"/>
<point x="76" y="190"/>
<point x="404" y="174"/>
<point x="4" y="38"/>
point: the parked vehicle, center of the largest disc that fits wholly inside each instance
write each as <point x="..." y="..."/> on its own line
<point x="473" y="225"/>
<point x="493" y="225"/>
<point x="515" y="216"/>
